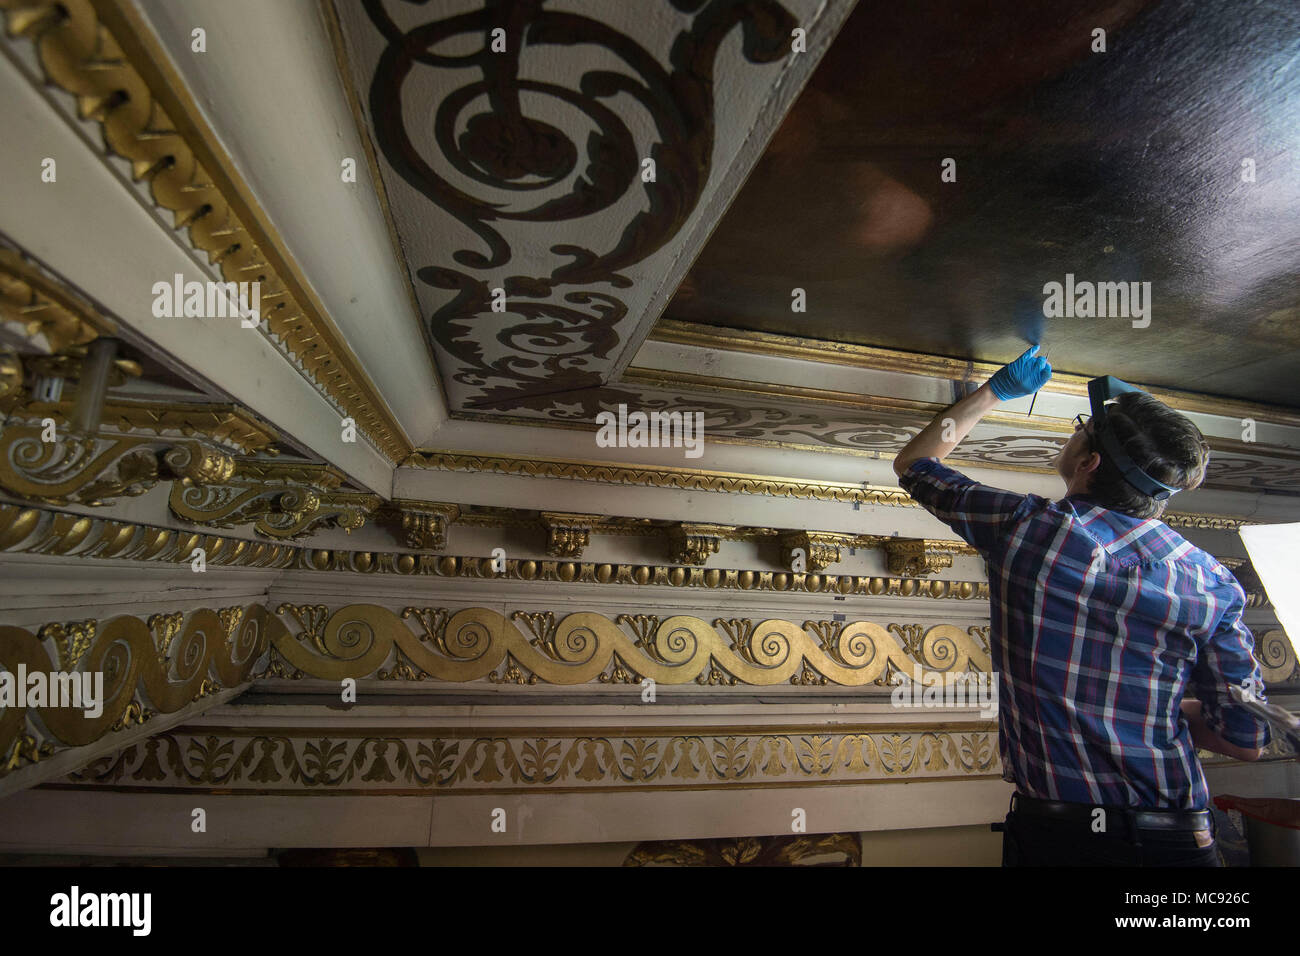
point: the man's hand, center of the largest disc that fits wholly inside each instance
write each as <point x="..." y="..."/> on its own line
<point x="1206" y="739"/>
<point x="1024" y="376"/>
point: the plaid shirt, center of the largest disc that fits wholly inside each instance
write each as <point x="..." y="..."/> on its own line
<point x="1099" y="622"/>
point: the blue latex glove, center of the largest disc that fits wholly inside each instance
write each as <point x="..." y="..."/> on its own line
<point x="1022" y="377"/>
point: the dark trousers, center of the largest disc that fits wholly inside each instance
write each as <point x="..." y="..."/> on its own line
<point x="1043" y="841"/>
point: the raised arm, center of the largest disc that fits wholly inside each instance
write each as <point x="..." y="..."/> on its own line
<point x="1024" y="376"/>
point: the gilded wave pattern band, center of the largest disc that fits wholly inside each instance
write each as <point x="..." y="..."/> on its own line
<point x="475" y="643"/>
<point x="151" y="666"/>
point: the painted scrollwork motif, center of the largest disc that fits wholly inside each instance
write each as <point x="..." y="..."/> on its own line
<point x="92" y="469"/>
<point x="511" y="140"/>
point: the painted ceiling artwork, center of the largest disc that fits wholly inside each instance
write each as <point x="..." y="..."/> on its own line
<point x="1077" y="158"/>
<point x="546" y="168"/>
<point x="551" y="171"/>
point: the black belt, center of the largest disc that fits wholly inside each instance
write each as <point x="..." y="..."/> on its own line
<point x="1142" y="819"/>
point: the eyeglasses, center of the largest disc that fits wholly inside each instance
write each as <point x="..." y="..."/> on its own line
<point x="1081" y="424"/>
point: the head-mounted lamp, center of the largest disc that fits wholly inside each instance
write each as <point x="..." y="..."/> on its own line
<point x="1100" y="391"/>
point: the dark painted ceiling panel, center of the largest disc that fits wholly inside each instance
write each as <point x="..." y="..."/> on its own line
<point x="1124" y="166"/>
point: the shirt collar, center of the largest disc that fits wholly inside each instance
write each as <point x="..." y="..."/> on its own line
<point x="1128" y="540"/>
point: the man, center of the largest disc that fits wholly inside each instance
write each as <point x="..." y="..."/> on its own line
<point x="1101" y="618"/>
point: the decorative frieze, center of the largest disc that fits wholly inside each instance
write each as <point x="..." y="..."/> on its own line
<point x="148" y="667"/>
<point x="816" y="849"/>
<point x="477" y="643"/>
<point x="304" y="760"/>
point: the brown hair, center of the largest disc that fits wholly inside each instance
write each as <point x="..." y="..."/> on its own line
<point x="1163" y="443"/>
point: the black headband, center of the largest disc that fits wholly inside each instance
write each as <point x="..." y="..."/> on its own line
<point x="1100" y="391"/>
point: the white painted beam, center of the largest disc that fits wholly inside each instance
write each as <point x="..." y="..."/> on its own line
<point x="99" y="233"/>
<point x="269" y="88"/>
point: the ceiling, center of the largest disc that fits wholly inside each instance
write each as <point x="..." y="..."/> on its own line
<point x="514" y="142"/>
<point x="1117" y="166"/>
<point x="555" y="280"/>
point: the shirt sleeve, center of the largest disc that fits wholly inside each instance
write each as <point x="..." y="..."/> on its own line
<point x="981" y="515"/>
<point x="1227" y="658"/>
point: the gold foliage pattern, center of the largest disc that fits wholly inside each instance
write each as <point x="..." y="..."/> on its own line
<point x="91" y="469"/>
<point x="280" y="500"/>
<point x="250" y="760"/>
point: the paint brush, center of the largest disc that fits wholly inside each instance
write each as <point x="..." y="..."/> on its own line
<point x="1033" y="400"/>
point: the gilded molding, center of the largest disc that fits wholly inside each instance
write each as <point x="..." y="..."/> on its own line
<point x="45" y="309"/>
<point x="279" y="499"/>
<point x="229" y="426"/>
<point x="658" y="477"/>
<point x="476" y="643"/>
<point x="915" y="557"/>
<point x="687" y="479"/>
<point x="1177" y="519"/>
<point x="910" y="412"/>
<point x="36" y="530"/>
<point x="82" y="56"/>
<point x="44" y="531"/>
<point x="150" y="667"/>
<point x="938" y="366"/>
<point x="394" y="761"/>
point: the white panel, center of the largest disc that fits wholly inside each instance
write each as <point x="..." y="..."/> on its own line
<point x="95" y="232"/>
<point x="269" y="87"/>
